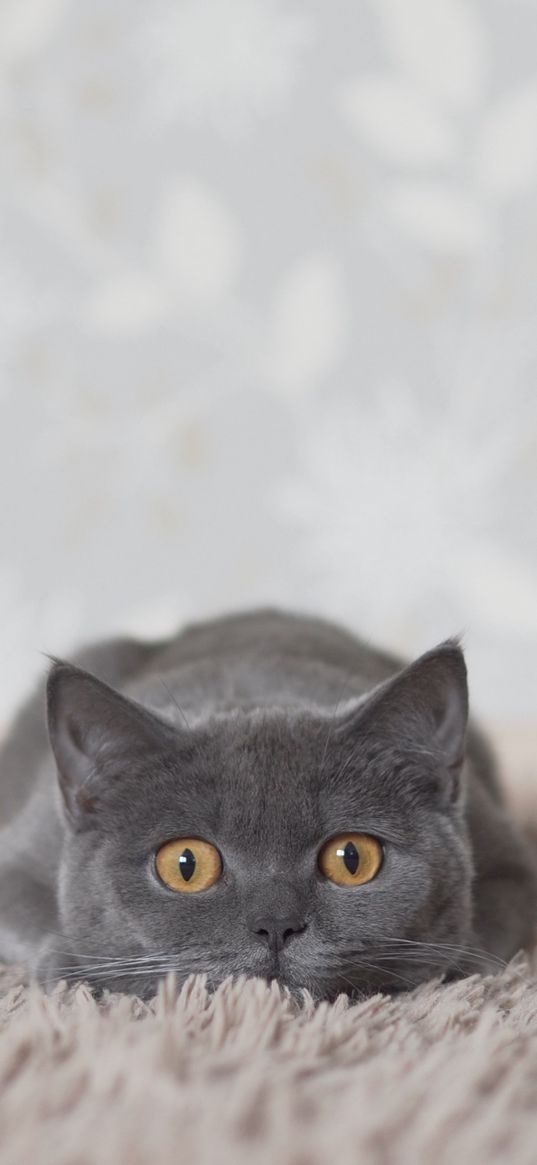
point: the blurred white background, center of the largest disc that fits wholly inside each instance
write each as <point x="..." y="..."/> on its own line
<point x="268" y="330"/>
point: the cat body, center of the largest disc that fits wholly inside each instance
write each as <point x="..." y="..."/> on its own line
<point x="259" y="738"/>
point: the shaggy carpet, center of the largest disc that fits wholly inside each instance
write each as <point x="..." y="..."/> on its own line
<point x="446" y="1074"/>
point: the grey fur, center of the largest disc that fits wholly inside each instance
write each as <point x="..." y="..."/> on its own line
<point x="265" y="733"/>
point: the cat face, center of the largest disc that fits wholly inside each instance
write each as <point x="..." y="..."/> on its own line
<point x="328" y="852"/>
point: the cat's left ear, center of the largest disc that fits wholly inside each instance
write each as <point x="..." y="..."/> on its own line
<point x="426" y="705"/>
<point x="96" y="734"/>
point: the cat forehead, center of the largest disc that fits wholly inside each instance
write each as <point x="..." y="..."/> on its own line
<point x="281" y="757"/>
<point x="276" y="736"/>
<point x="309" y="766"/>
<point x="308" y="745"/>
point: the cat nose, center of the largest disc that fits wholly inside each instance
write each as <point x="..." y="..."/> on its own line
<point x="276" y="932"/>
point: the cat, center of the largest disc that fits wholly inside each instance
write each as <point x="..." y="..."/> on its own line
<point x="261" y="794"/>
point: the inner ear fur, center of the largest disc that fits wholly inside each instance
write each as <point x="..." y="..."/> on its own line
<point x="425" y="704"/>
<point x="89" y="722"/>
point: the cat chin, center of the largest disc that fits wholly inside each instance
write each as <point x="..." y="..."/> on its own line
<point x="55" y="965"/>
<point x="50" y="974"/>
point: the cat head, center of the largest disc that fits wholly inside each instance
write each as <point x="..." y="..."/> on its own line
<point x="321" y="850"/>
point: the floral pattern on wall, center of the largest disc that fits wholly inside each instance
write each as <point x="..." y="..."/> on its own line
<point x="268" y="295"/>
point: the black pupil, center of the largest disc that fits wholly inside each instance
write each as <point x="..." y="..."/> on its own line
<point x="351" y="857"/>
<point x="187" y="864"/>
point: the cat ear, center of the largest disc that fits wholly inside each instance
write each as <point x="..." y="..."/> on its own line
<point x="426" y="704"/>
<point x="90" y="725"/>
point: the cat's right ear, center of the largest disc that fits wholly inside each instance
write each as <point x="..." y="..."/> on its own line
<point x="93" y="732"/>
<point x="424" y="707"/>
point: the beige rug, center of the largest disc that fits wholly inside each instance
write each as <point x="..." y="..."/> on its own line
<point x="445" y="1074"/>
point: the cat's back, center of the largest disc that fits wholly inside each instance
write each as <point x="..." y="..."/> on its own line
<point x="271" y="632"/>
<point x="262" y="658"/>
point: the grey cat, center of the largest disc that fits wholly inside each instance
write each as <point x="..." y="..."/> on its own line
<point x="261" y="794"/>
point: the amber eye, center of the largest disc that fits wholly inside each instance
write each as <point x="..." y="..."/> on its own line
<point x="188" y="864"/>
<point x="351" y="859"/>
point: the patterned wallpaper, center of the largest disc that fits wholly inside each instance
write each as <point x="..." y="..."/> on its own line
<point x="268" y="290"/>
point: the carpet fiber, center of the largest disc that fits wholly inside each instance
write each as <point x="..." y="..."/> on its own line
<point x="445" y="1074"/>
